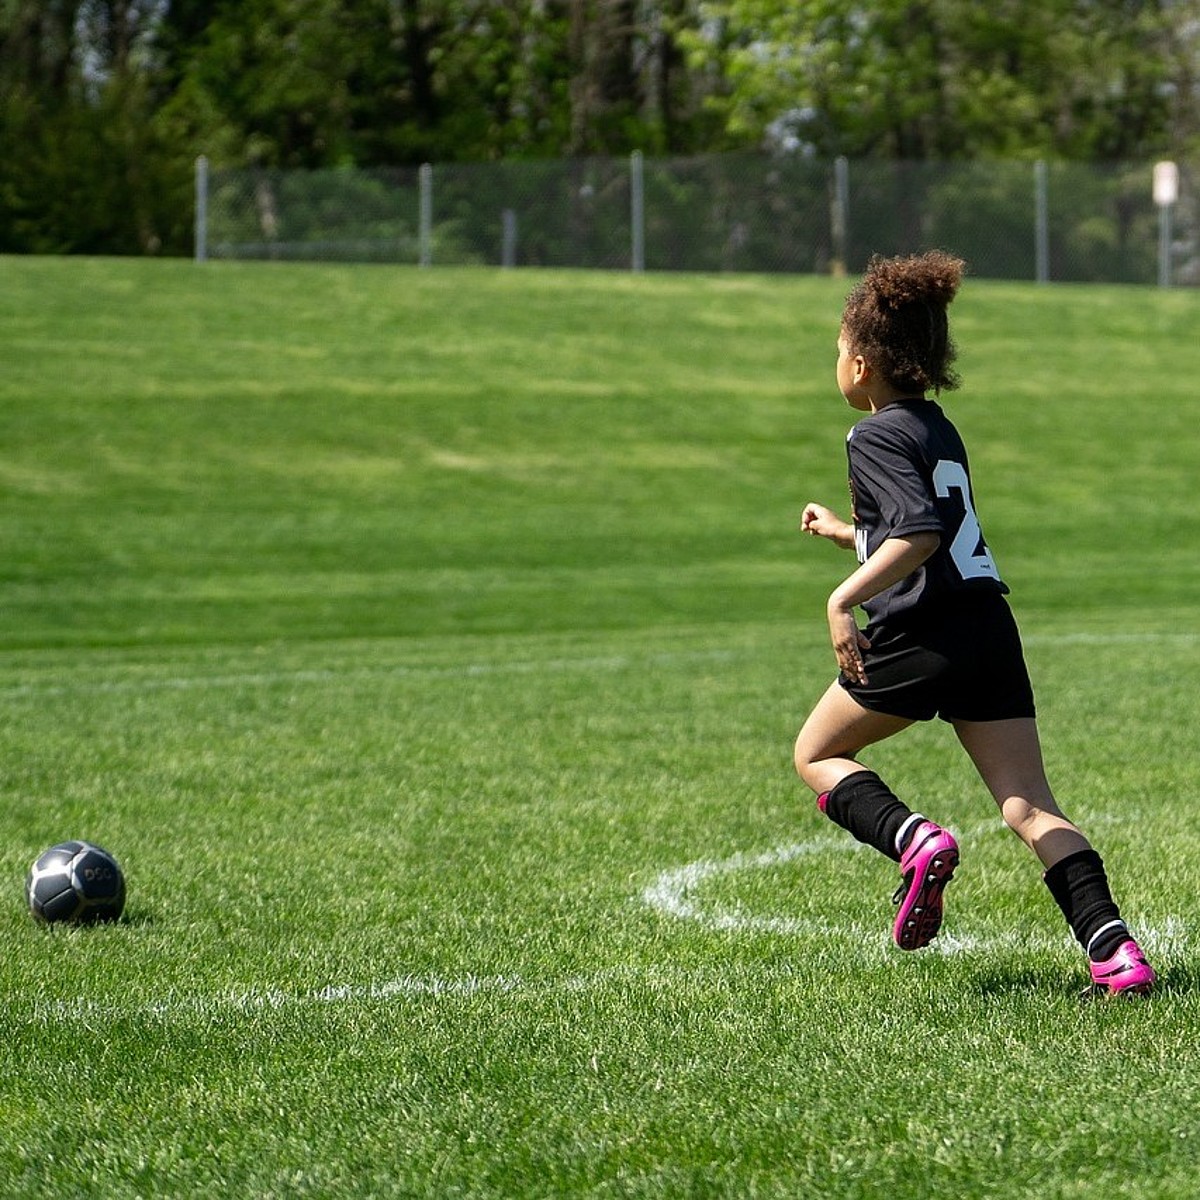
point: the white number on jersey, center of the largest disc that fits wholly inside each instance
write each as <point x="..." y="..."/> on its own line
<point x="968" y="550"/>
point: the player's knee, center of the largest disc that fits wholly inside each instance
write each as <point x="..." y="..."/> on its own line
<point x="1022" y="815"/>
<point x="808" y="764"/>
<point x="802" y="759"/>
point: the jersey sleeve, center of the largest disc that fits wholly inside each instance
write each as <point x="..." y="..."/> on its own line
<point x="890" y="473"/>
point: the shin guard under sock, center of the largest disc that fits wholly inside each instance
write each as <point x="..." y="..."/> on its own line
<point x="1079" y="886"/>
<point x="865" y="806"/>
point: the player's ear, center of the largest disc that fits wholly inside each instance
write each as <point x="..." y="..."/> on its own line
<point x="862" y="369"/>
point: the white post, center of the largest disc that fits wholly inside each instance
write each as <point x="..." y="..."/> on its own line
<point x="1166" y="193"/>
<point x="201" y="229"/>
<point x="425" y="204"/>
<point x="637" y="213"/>
<point x="1041" y="231"/>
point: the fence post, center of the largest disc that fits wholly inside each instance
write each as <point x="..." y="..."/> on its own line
<point x="201" y="229"/>
<point x="1041" y="218"/>
<point x="1164" y="246"/>
<point x="839" y="215"/>
<point x="508" y="247"/>
<point x="637" y="212"/>
<point x="425" y="206"/>
<point x="1166" y="193"/>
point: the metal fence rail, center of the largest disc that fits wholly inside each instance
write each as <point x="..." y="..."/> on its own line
<point x="729" y="212"/>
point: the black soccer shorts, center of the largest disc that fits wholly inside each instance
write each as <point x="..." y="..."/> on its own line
<point x="963" y="663"/>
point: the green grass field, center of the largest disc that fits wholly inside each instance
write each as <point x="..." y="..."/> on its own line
<point x="429" y="647"/>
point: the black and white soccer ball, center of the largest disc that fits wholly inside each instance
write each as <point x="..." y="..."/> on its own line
<point x="75" y="883"/>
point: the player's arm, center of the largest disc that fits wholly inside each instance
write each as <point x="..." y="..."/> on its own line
<point x="895" y="559"/>
<point x="824" y="522"/>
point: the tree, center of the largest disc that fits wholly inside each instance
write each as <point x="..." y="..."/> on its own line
<point x="948" y="78"/>
<point x="316" y="82"/>
<point x="630" y="86"/>
<point x="81" y="167"/>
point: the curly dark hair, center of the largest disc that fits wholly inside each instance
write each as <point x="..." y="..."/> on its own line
<point x="896" y="319"/>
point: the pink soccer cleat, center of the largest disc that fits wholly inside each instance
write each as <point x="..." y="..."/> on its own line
<point x="1127" y="973"/>
<point x="927" y="865"/>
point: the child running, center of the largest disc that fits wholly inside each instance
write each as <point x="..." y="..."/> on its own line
<point x="940" y="638"/>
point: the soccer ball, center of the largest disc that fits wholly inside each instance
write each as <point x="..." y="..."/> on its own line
<point x="76" y="883"/>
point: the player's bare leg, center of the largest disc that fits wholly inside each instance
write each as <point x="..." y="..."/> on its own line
<point x="855" y="798"/>
<point x="836" y="730"/>
<point x="1008" y="756"/>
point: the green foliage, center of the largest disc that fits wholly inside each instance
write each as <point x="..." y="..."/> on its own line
<point x="954" y="78"/>
<point x="83" y="165"/>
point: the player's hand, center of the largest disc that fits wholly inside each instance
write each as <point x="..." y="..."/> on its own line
<point x="849" y="642"/>
<point x="819" y="520"/>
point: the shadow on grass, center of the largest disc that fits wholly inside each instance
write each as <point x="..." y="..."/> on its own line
<point x="1007" y="981"/>
<point x="1179" y="979"/>
<point x="138" y="918"/>
<point x="1176" y="979"/>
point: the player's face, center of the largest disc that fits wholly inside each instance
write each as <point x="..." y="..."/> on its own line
<point x="850" y="376"/>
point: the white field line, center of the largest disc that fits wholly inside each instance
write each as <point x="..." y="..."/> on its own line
<point x="1168" y="938"/>
<point x="308" y="675"/>
<point x="72" y="685"/>
<point x="1083" y="638"/>
<point x="403" y="987"/>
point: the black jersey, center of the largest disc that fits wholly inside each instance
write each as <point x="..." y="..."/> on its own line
<point x="909" y="474"/>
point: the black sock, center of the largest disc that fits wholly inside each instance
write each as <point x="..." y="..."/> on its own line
<point x="865" y="806"/>
<point x="1080" y="888"/>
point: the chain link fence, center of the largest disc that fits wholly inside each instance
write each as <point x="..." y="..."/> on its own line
<point x="730" y="212"/>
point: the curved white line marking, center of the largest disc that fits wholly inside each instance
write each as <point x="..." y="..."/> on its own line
<point x="672" y="892"/>
<point x="675" y="893"/>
